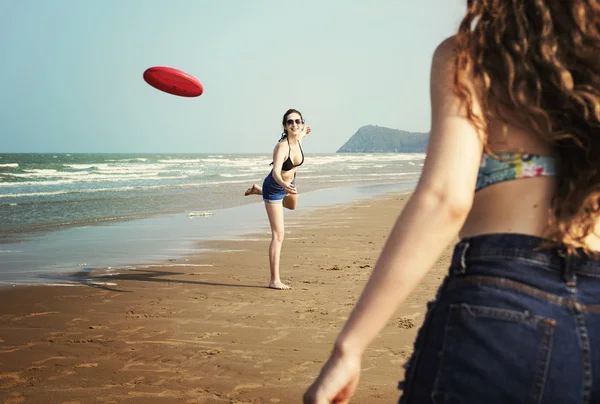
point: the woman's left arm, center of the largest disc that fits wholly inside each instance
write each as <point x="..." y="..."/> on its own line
<point x="430" y="220"/>
<point x="305" y="131"/>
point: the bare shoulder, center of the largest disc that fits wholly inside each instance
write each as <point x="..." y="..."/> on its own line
<point x="444" y="57"/>
<point x="280" y="145"/>
<point x="446" y="48"/>
<point x="444" y="96"/>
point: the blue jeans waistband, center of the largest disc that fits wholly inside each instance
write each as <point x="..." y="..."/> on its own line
<point x="521" y="248"/>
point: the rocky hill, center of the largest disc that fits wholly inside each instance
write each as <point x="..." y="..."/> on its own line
<point x="379" y="139"/>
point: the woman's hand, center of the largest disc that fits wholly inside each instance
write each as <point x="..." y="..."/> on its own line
<point x="289" y="188"/>
<point x="306" y="129"/>
<point x="337" y="381"/>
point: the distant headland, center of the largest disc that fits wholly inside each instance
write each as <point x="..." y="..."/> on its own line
<point x="379" y="139"/>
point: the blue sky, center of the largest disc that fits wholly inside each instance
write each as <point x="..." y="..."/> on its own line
<point x="72" y="71"/>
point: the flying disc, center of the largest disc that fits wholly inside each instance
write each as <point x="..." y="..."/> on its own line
<point x="173" y="81"/>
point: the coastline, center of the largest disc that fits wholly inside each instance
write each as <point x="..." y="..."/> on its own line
<point x="66" y="255"/>
<point x="205" y="328"/>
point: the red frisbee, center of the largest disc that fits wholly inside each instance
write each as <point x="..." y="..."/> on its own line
<point x="173" y="81"/>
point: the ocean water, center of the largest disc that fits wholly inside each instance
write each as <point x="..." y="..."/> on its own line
<point x="63" y="212"/>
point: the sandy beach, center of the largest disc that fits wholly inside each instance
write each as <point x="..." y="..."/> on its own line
<point x="205" y="329"/>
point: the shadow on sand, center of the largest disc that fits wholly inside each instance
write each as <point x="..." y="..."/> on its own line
<point x="108" y="281"/>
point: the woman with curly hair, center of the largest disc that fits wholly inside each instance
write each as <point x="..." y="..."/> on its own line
<point x="513" y="167"/>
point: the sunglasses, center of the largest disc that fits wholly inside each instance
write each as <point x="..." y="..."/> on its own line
<point x="289" y="122"/>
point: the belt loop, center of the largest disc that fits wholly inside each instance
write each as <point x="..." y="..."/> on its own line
<point x="463" y="258"/>
<point x="568" y="270"/>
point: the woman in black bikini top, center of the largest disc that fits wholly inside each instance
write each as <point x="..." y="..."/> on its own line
<point x="279" y="187"/>
<point x="289" y="164"/>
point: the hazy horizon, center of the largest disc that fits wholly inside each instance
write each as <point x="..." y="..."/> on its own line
<point x="73" y="72"/>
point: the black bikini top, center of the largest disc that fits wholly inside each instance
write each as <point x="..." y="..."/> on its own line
<point x="289" y="164"/>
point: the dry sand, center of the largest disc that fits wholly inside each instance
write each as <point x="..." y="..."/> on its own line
<point x="205" y="329"/>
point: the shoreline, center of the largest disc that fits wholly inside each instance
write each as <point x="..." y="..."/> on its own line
<point x="213" y="332"/>
<point x="51" y="257"/>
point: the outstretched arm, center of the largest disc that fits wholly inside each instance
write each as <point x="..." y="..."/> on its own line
<point x="305" y="131"/>
<point x="429" y="222"/>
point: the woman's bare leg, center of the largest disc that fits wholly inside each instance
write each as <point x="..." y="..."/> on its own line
<point x="275" y="213"/>
<point x="290" y="201"/>
<point x="255" y="189"/>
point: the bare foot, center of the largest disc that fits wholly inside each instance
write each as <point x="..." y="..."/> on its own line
<point x="278" y="285"/>
<point x="254" y="190"/>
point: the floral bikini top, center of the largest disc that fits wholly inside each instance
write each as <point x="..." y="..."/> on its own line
<point x="512" y="166"/>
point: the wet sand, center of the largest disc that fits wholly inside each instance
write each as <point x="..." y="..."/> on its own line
<point x="206" y="329"/>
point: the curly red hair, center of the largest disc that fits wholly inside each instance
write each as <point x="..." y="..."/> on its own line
<point x="540" y="60"/>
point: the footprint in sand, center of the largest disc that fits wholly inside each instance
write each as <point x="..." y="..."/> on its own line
<point x="33" y="315"/>
<point x="77" y="320"/>
<point x="131" y="331"/>
<point x="400" y="357"/>
<point x="406" y="322"/>
<point x="15" y="398"/>
<point x="207" y="335"/>
<point x="301" y="367"/>
<point x="247" y="386"/>
<point x="110" y="299"/>
<point x="280" y="335"/>
<point x="133" y="365"/>
<point x="135" y="381"/>
<point x="319" y="336"/>
<point x="17" y="348"/>
<point x="87" y="365"/>
<point x="259" y="363"/>
<point x="67" y="372"/>
<point x="51" y="359"/>
<point x="8" y="380"/>
<point x="249" y="356"/>
<point x="151" y="334"/>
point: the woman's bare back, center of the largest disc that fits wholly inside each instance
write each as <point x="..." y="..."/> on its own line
<point x="515" y="206"/>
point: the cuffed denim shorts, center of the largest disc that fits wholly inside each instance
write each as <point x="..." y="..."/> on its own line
<point x="509" y="324"/>
<point x="273" y="192"/>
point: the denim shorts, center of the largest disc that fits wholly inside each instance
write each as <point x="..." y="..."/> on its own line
<point x="273" y="192"/>
<point x="510" y="324"/>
